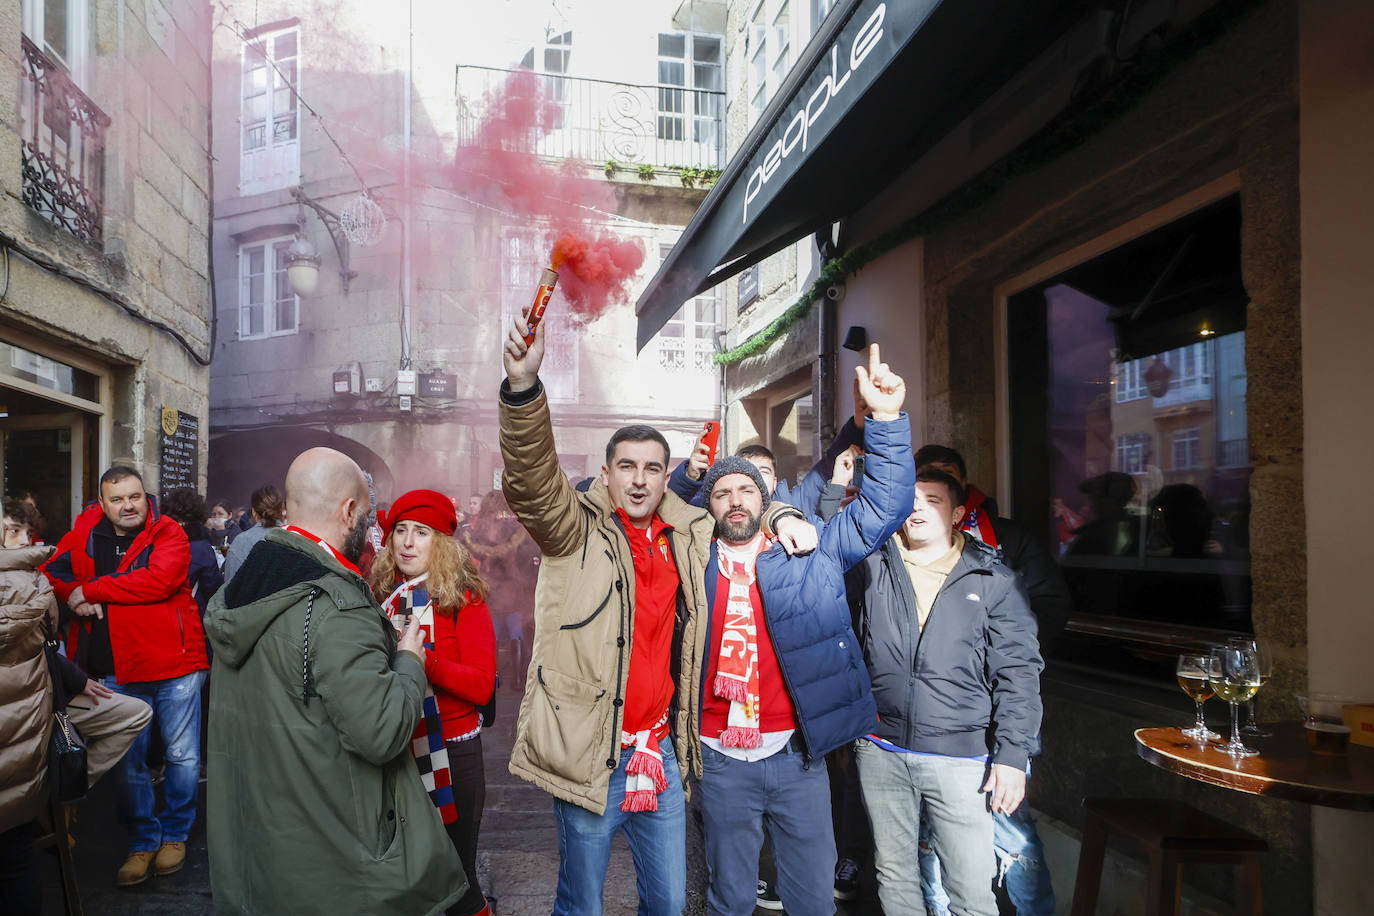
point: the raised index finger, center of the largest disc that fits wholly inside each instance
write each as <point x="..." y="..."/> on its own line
<point x="874" y="360"/>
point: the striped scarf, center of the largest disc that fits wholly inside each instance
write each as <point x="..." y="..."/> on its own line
<point x="427" y="743"/>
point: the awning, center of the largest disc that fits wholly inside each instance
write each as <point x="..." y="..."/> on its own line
<point x="877" y="86"/>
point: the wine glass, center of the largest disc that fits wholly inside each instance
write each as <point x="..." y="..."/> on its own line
<point x="1266" y="668"/>
<point x="1194" y="676"/>
<point x="1235" y="678"/>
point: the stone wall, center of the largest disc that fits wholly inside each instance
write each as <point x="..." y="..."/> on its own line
<point x="149" y="72"/>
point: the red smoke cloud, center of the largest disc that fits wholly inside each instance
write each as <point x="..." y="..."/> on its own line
<point x="593" y="273"/>
<point x="503" y="169"/>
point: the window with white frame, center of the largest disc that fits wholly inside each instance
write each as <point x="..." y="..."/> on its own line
<point x="689" y="78"/>
<point x="782" y="44"/>
<point x="524" y="257"/>
<point x="757" y="53"/>
<point x="61" y="28"/>
<point x="270" y="152"/>
<point x="552" y="59"/>
<point x="819" y="10"/>
<point x="1187" y="449"/>
<point x="1131" y="450"/>
<point x="688" y="339"/>
<point x="267" y="307"/>
<point x="768" y="52"/>
<point x="1130" y="381"/>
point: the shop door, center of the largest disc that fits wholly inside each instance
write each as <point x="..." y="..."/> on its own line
<point x="46" y="454"/>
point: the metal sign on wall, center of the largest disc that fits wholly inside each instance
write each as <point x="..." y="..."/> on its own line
<point x="438" y="385"/>
<point x="179" y="448"/>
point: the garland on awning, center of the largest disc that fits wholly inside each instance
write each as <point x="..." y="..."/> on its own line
<point x="1063" y="134"/>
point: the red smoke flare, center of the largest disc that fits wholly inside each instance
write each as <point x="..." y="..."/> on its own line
<point x="502" y="168"/>
<point x="594" y="273"/>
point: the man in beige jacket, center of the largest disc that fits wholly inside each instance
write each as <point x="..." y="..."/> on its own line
<point x="610" y="715"/>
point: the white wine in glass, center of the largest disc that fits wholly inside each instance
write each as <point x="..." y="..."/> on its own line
<point x="1194" y="676"/>
<point x="1235" y="677"/>
<point x="1266" y="668"/>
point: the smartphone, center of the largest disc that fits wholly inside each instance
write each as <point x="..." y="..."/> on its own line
<point x="710" y="437"/>
<point x="403" y="613"/>
<point x="858" y="471"/>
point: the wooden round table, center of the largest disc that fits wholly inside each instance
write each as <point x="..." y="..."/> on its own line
<point x="1285" y="768"/>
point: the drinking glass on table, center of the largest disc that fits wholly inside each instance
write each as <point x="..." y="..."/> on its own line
<point x="1235" y="677"/>
<point x="1266" y="668"/>
<point x="1195" y="677"/>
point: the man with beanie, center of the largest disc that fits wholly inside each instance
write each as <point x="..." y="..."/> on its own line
<point x="609" y="719"/>
<point x="314" y="802"/>
<point x="784" y="680"/>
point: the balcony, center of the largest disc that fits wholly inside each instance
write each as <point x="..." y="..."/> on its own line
<point x="63" y="155"/>
<point x="597" y="120"/>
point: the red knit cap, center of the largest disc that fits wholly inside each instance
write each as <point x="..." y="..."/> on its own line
<point x="428" y="507"/>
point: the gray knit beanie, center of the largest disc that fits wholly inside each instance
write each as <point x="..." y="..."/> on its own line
<point x="733" y="464"/>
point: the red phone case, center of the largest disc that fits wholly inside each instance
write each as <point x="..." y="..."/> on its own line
<point x="710" y="437"/>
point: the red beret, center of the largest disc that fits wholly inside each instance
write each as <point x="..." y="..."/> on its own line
<point x="428" y="507"/>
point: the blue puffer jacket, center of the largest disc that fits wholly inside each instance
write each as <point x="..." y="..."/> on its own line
<point x="804" y="606"/>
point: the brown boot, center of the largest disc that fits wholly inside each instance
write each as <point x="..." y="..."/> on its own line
<point x="170" y="858"/>
<point x="135" y="869"/>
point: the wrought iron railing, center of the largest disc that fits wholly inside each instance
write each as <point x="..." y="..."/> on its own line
<point x="63" y="156"/>
<point x="598" y="120"/>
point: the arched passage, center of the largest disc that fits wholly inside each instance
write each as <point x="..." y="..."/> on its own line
<point x="242" y="461"/>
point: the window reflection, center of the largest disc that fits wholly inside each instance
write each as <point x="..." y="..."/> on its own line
<point x="1129" y="433"/>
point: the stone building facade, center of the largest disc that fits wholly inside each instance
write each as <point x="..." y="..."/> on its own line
<point x="105" y="318"/>
<point x="392" y="105"/>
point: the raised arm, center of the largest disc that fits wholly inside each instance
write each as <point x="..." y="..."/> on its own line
<point x="533" y="482"/>
<point x="889" y="488"/>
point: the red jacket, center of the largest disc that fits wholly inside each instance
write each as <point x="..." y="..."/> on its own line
<point x="462" y="666"/>
<point x="155" y="631"/>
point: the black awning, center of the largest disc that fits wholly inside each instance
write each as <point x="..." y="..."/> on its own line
<point x="877" y="86"/>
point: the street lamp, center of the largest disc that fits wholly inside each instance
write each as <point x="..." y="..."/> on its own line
<point x="302" y="260"/>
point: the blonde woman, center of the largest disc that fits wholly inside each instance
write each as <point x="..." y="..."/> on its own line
<point x="422" y="570"/>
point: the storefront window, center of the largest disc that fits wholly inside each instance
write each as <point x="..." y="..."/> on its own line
<point x="1129" y="438"/>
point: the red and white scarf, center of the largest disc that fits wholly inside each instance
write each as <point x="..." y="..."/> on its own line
<point x="644" y="777"/>
<point x="977" y="521"/>
<point x="737" y="667"/>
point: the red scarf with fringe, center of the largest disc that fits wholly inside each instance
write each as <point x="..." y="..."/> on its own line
<point x="644" y="777"/>
<point x="737" y="666"/>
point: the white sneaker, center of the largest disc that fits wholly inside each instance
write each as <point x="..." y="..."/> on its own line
<point x="766" y="897"/>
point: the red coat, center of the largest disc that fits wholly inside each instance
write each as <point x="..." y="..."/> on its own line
<point x="462" y="666"/>
<point x="155" y="631"/>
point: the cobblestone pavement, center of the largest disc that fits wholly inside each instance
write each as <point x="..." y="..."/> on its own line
<point x="517" y="861"/>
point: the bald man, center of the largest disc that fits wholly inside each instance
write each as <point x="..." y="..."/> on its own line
<point x="315" y="804"/>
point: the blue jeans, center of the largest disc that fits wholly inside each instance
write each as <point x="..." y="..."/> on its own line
<point x="896" y="788"/>
<point x="738" y="800"/>
<point x="657" y="840"/>
<point x="176" y="711"/>
<point x="1021" y="860"/>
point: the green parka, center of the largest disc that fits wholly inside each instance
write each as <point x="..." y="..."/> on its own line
<point x="314" y="801"/>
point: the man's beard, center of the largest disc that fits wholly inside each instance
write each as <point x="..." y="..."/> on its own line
<point x="357" y="539"/>
<point x="738" y="533"/>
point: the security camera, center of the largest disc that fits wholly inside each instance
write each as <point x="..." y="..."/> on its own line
<point x="834" y="292"/>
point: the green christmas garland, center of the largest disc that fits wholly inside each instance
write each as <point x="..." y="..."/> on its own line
<point x="1054" y="140"/>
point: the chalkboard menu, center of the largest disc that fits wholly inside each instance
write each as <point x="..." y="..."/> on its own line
<point x="179" y="439"/>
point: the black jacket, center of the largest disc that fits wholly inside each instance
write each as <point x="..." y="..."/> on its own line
<point x="1045" y="586"/>
<point x="969" y="684"/>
